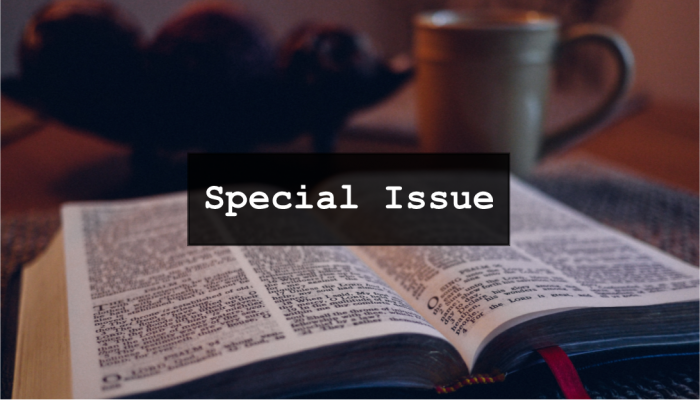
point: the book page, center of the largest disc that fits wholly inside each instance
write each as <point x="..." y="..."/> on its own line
<point x="558" y="260"/>
<point x="375" y="223"/>
<point x="146" y="311"/>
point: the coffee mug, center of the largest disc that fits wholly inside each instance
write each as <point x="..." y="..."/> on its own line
<point x="483" y="80"/>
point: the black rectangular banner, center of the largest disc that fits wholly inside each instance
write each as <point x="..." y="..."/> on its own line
<point x="348" y="199"/>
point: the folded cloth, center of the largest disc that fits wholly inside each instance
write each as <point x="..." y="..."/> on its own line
<point x="24" y="236"/>
<point x="664" y="217"/>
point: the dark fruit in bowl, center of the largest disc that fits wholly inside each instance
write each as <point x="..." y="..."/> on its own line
<point x="212" y="71"/>
<point x="332" y="71"/>
<point x="82" y="62"/>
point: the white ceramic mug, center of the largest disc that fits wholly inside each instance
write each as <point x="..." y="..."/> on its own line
<point x="483" y="79"/>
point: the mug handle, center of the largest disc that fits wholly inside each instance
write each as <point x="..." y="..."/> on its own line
<point x="608" y="38"/>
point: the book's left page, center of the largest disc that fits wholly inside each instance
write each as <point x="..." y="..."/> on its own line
<point x="147" y="311"/>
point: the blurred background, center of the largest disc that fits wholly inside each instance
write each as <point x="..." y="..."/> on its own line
<point x="654" y="134"/>
<point x="662" y="34"/>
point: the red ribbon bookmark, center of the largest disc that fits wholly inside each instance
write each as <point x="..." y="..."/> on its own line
<point x="564" y="372"/>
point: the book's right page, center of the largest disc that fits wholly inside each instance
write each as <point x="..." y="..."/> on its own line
<point x="558" y="259"/>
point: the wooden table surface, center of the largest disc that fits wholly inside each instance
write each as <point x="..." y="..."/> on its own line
<point x="660" y="144"/>
<point x="55" y="163"/>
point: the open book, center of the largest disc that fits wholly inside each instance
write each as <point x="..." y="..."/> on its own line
<point x="141" y="313"/>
